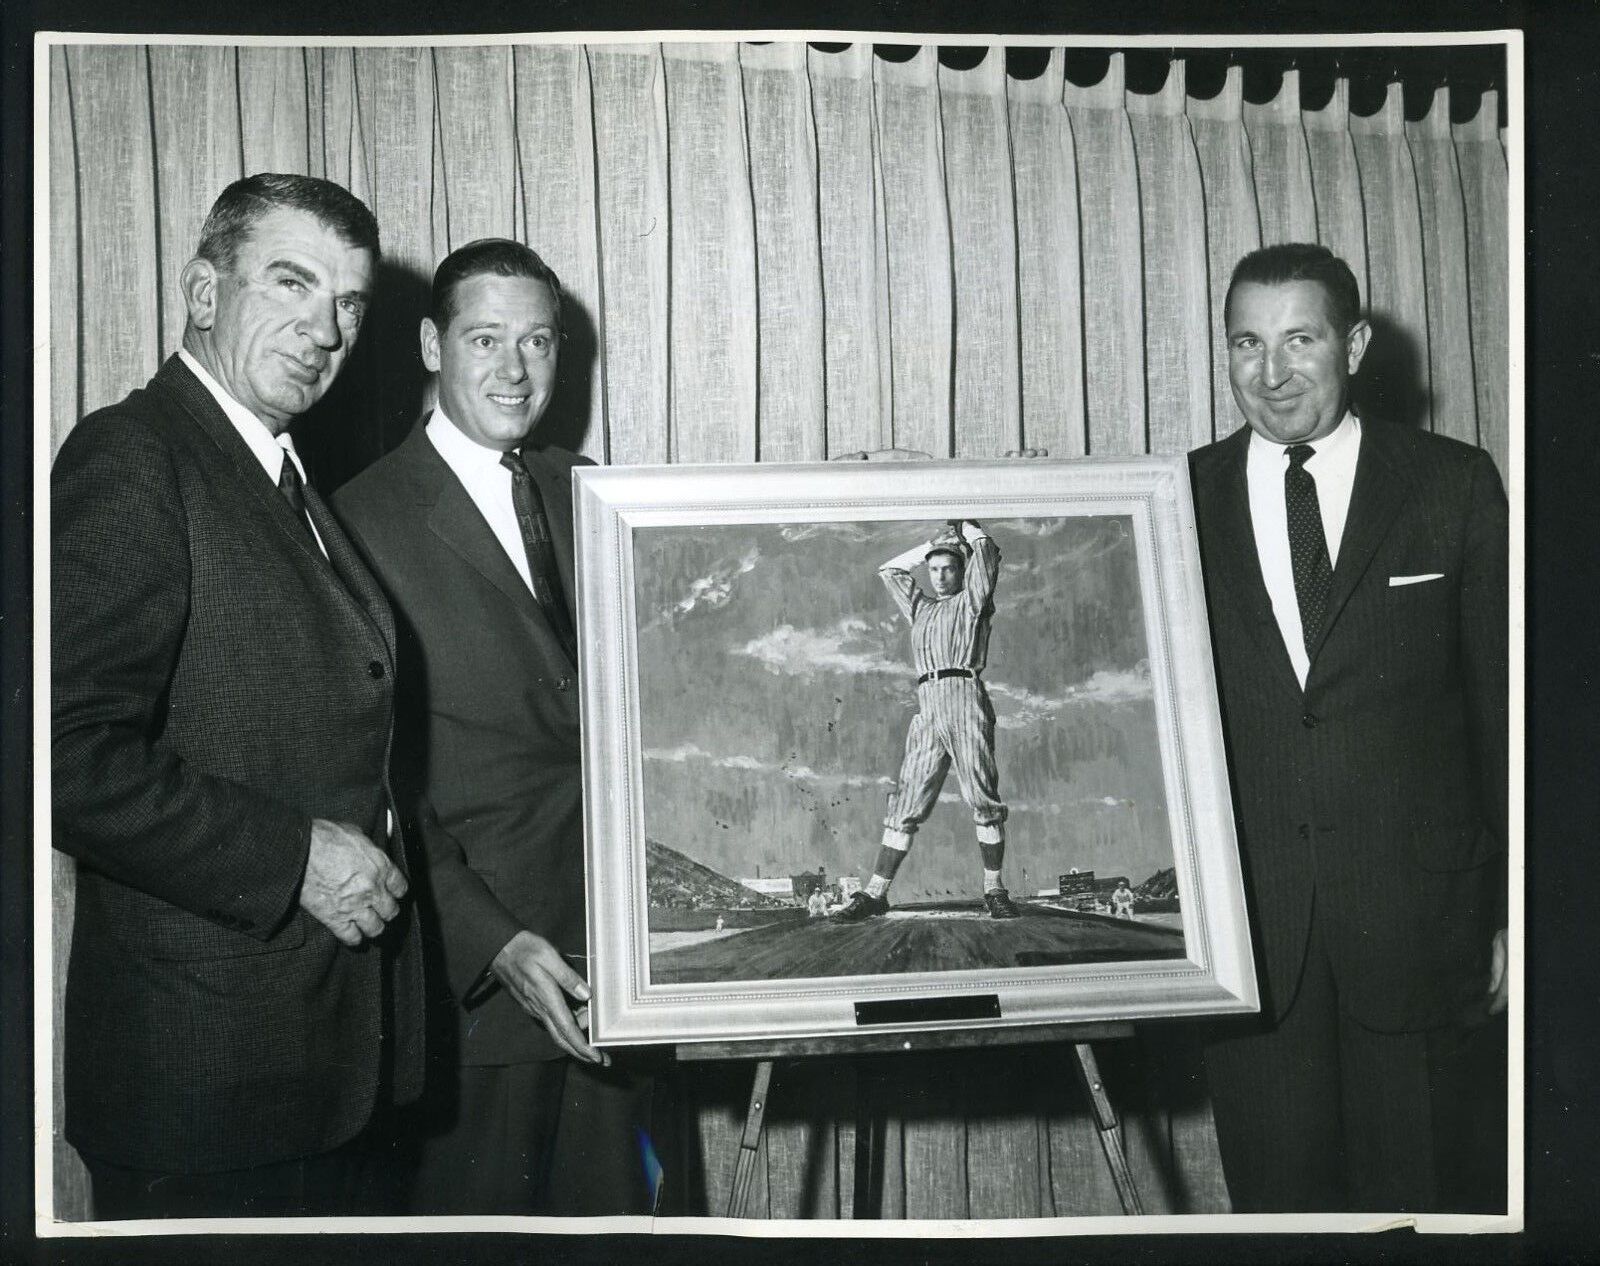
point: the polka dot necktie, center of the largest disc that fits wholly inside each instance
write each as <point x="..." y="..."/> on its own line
<point x="1308" y="544"/>
<point x="542" y="569"/>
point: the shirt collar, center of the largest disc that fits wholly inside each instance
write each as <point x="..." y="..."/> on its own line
<point x="1337" y="444"/>
<point x="457" y="449"/>
<point x="269" y="449"/>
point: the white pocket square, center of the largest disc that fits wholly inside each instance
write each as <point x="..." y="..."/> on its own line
<point x="1395" y="581"/>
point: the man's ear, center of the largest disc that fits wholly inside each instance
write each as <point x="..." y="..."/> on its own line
<point x="198" y="282"/>
<point x="430" y="345"/>
<point x="1356" y="346"/>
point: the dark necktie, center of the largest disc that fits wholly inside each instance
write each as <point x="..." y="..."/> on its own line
<point x="542" y="571"/>
<point x="294" y="493"/>
<point x="1308" y="544"/>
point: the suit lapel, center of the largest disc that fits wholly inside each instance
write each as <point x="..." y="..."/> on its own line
<point x="351" y="570"/>
<point x="456" y="520"/>
<point x="177" y="379"/>
<point x="1376" y="497"/>
<point x="346" y="576"/>
<point x="1233" y="560"/>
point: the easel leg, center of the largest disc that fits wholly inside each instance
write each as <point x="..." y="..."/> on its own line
<point x="750" y="1141"/>
<point x="868" y="1199"/>
<point x="1106" y="1119"/>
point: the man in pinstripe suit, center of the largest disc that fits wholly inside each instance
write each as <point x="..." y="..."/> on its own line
<point x="1356" y="580"/>
<point x="954" y="724"/>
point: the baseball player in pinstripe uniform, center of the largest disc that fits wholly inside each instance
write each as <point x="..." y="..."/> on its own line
<point x="954" y="724"/>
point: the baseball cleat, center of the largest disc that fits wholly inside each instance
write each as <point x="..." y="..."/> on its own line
<point x="999" y="902"/>
<point x="862" y="906"/>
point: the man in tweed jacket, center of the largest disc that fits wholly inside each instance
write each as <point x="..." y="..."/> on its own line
<point x="223" y="670"/>
<point x="1355" y="573"/>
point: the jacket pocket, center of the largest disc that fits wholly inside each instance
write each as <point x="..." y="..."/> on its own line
<point x="187" y="937"/>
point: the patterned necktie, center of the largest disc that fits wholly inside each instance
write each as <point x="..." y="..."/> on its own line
<point x="294" y="493"/>
<point x="1308" y="544"/>
<point x="541" y="553"/>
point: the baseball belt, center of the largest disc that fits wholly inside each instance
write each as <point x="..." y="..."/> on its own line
<point x="939" y="673"/>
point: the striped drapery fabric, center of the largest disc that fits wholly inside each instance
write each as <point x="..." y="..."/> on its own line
<point x="784" y="252"/>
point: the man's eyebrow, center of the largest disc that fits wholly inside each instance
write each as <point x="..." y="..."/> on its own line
<point x="305" y="276"/>
<point x="298" y="271"/>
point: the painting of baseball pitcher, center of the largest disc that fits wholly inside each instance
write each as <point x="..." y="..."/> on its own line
<point x="961" y="710"/>
<point x="954" y="724"/>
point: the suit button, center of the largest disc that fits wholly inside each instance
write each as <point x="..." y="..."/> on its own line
<point x="1309" y="720"/>
<point x="1305" y="830"/>
<point x="374" y="670"/>
<point x="564" y="684"/>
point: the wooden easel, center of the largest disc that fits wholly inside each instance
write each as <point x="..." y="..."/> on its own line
<point x="869" y="1160"/>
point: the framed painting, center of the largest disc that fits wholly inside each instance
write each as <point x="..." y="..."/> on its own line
<point x="900" y="746"/>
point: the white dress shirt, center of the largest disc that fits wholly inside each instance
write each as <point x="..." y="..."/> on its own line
<point x="487" y="482"/>
<point x="1332" y="465"/>
<point x="270" y="450"/>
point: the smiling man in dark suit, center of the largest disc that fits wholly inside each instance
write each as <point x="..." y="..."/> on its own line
<point x="1356" y="576"/>
<point x="468" y="525"/>
<point x="222" y="668"/>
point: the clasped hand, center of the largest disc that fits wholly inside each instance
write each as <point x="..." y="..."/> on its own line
<point x="350" y="887"/>
<point x="542" y="981"/>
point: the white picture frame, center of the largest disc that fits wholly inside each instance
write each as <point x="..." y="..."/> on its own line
<point x="620" y="511"/>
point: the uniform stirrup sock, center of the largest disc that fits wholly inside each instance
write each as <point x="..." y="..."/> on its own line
<point x="992" y="880"/>
<point x="883" y="870"/>
<point x="877" y="886"/>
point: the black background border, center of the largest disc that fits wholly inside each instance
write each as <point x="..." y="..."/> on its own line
<point x="1562" y="66"/>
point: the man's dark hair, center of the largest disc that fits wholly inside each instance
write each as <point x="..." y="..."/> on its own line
<point x="497" y="255"/>
<point x="237" y="209"/>
<point x="1302" y="261"/>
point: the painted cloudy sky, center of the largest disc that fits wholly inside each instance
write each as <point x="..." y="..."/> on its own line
<point x="776" y="687"/>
